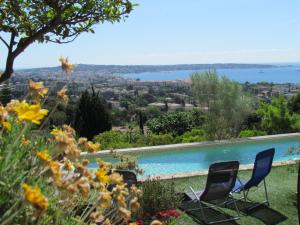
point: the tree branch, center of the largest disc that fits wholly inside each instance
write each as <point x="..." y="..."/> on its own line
<point x="4" y="42"/>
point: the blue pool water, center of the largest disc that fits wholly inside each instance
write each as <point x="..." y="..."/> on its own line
<point x="185" y="160"/>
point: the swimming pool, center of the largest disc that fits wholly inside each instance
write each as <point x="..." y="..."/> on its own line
<point x="198" y="157"/>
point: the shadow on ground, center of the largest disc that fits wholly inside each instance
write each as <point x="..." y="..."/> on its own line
<point x="263" y="213"/>
<point x="210" y="214"/>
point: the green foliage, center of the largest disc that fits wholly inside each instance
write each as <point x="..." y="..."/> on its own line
<point x="227" y="105"/>
<point x="294" y="104"/>
<point x="276" y="118"/>
<point x="251" y="133"/>
<point x="152" y="112"/>
<point x="195" y="135"/>
<point x="5" y="94"/>
<point x="112" y="140"/>
<point x="118" y="140"/>
<point x="28" y="21"/>
<point x="159" y="196"/>
<point x="156" y="139"/>
<point x="175" y="123"/>
<point x="17" y="165"/>
<point x="127" y="162"/>
<point x="92" y="115"/>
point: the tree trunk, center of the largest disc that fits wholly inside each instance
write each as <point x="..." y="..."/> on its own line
<point x="8" y="69"/>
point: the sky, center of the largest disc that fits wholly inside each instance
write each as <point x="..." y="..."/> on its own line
<point x="183" y="32"/>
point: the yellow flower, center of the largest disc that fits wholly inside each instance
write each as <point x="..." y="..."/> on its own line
<point x="34" y="196"/>
<point x="11" y="105"/>
<point x="116" y="178"/>
<point x="96" y="217"/>
<point x="61" y="136"/>
<point x="105" y="199"/>
<point x="25" y="141"/>
<point x="89" y="145"/>
<point x="4" y="118"/>
<point x="82" y="141"/>
<point x="133" y="223"/>
<point x="102" y="176"/>
<point x="44" y="155"/>
<point x="32" y="113"/>
<point x="62" y="96"/>
<point x="68" y="165"/>
<point x="6" y="125"/>
<point x="156" y="222"/>
<point x="92" y="147"/>
<point x="37" y="88"/>
<point x="125" y="213"/>
<point x="65" y="65"/>
<point x="134" y="204"/>
<point x="83" y="185"/>
<point x="107" y="222"/>
<point x="55" y="167"/>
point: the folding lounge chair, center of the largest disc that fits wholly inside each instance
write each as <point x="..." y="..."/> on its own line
<point x="129" y="177"/>
<point x="220" y="181"/>
<point x="262" y="167"/>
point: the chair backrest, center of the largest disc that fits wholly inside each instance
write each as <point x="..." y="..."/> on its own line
<point x="262" y="167"/>
<point x="129" y="177"/>
<point x="220" y="180"/>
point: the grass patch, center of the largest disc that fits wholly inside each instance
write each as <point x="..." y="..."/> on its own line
<point x="281" y="184"/>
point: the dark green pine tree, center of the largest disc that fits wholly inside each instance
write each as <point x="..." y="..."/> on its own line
<point x="5" y="93"/>
<point x="92" y="115"/>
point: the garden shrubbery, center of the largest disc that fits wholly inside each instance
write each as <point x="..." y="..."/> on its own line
<point x="251" y="133"/>
<point x="159" y="199"/>
<point x="43" y="182"/>
<point x="176" y="123"/>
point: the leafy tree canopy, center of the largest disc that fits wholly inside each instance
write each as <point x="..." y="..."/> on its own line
<point x="226" y="104"/>
<point x="58" y="21"/>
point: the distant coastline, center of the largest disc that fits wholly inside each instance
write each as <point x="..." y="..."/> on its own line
<point x="124" y="69"/>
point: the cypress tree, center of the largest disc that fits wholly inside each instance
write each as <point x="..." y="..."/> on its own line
<point x="92" y="115"/>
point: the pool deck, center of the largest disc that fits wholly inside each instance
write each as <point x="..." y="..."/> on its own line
<point x="188" y="145"/>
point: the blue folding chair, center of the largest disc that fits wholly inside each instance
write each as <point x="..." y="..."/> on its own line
<point x="262" y="167"/>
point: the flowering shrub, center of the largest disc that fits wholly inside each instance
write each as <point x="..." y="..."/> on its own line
<point x="43" y="182"/>
<point x="159" y="196"/>
<point x="168" y="215"/>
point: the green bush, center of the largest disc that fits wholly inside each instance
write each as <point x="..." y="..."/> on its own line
<point x="251" y="133"/>
<point x="176" y="123"/>
<point x="159" y="196"/>
<point x="112" y="140"/>
<point x="159" y="139"/>
<point x="195" y="135"/>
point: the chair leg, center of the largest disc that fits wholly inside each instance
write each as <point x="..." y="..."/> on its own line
<point x="202" y="213"/>
<point x="266" y="193"/>
<point x="236" y="208"/>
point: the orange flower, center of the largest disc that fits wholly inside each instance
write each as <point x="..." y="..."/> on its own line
<point x="37" y="88"/>
<point x="34" y="196"/>
<point x="62" y="96"/>
<point x="44" y="155"/>
<point x="66" y="66"/>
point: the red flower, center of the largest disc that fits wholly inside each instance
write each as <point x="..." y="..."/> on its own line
<point x="140" y="222"/>
<point x="168" y="213"/>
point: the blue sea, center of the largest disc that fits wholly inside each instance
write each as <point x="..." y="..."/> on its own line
<point x="278" y="74"/>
